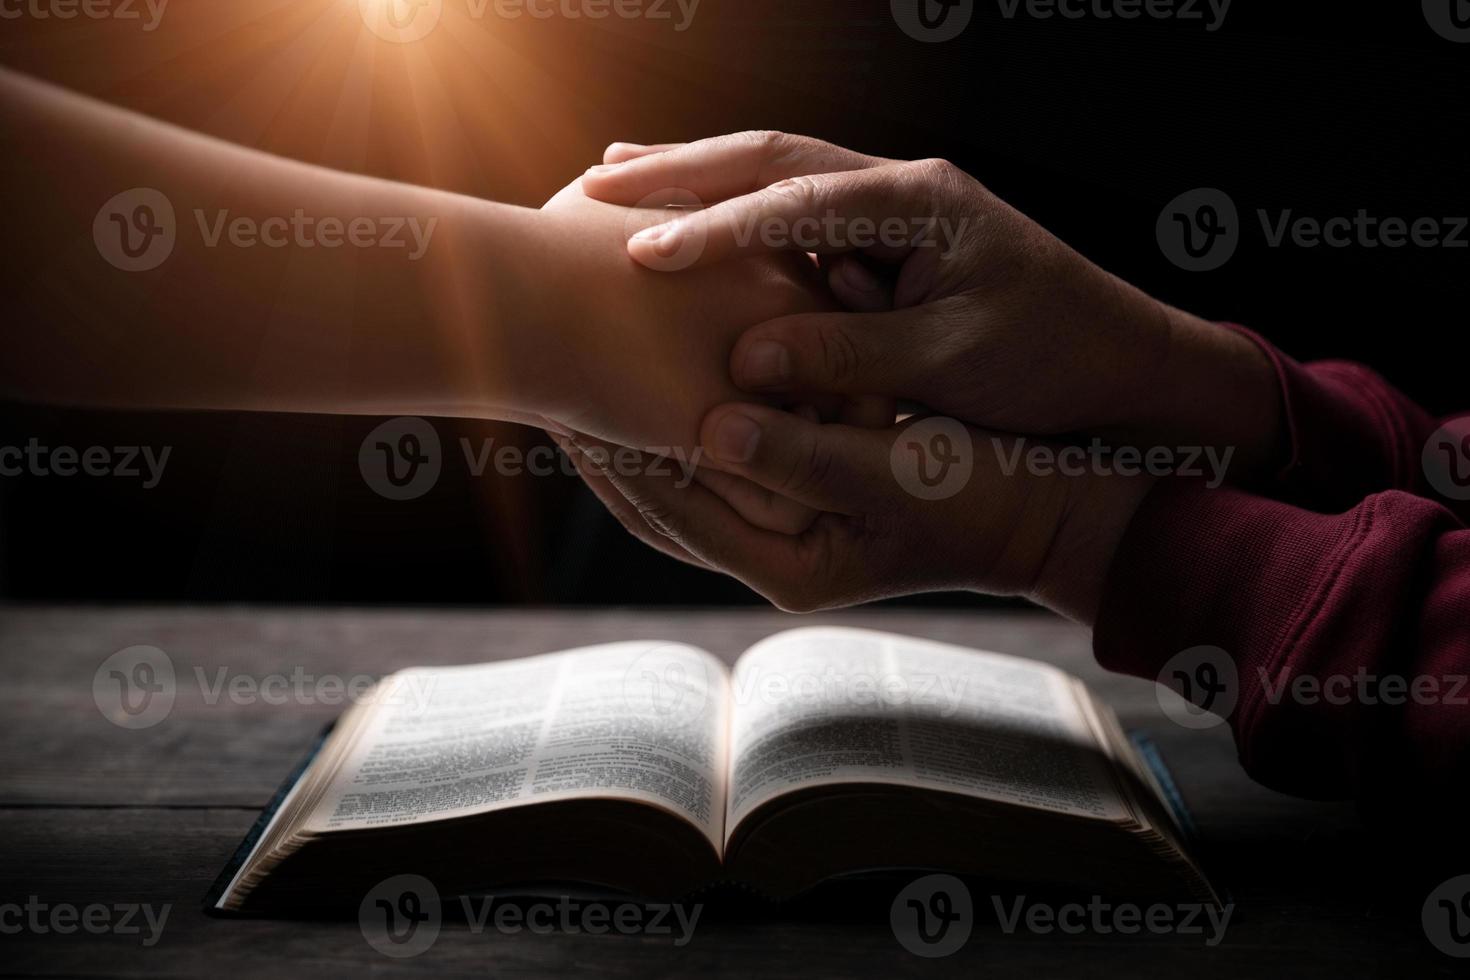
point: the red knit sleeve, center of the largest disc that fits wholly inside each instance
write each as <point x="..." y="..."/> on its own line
<point x="1348" y="635"/>
<point x="1350" y="433"/>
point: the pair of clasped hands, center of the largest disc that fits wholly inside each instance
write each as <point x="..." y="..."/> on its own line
<point x="801" y="491"/>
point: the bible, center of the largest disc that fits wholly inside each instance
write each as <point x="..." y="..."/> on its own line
<point x="653" y="769"/>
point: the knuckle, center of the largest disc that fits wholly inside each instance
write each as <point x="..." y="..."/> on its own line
<point x="775" y="150"/>
<point x="946" y="181"/>
<point x="802" y="190"/>
<point x="937" y="168"/>
<point x="767" y="141"/>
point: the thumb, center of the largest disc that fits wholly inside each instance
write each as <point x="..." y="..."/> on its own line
<point x="840" y="353"/>
<point x="834" y="468"/>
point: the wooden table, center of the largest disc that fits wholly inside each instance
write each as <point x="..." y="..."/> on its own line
<point x="93" y="813"/>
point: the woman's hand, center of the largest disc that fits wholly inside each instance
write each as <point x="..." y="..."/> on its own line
<point x="643" y="357"/>
<point x="638" y="358"/>
<point x="280" y="286"/>
<point x="922" y="506"/>
<point x="966" y="306"/>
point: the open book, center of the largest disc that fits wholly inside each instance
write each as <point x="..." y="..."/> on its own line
<point x="653" y="769"/>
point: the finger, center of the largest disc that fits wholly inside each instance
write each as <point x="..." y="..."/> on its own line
<point x="759" y="507"/>
<point x="719" y="168"/>
<point x="857" y="287"/>
<point x="896" y="354"/>
<point x="618" y="505"/>
<point x="703" y="525"/>
<point x="886" y="212"/>
<point x="623" y="152"/>
<point x="834" y="468"/>
<point x="572" y="191"/>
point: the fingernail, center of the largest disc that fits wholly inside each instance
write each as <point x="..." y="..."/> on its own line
<point x="620" y="145"/>
<point x="665" y="239"/>
<point x="766" y="364"/>
<point x="603" y="168"/>
<point x="735" y="438"/>
<point x="653" y="233"/>
<point x="858" y="276"/>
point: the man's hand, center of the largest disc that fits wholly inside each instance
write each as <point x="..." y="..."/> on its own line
<point x="923" y="506"/>
<point x="959" y="302"/>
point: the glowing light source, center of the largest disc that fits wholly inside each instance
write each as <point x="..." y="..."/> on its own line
<point x="401" y="21"/>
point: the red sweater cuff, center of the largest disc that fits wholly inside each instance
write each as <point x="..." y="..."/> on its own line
<point x="1287" y="594"/>
<point x="1222" y="568"/>
<point x="1349" y="433"/>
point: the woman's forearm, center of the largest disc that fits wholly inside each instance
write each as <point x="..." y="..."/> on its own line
<point x="282" y="286"/>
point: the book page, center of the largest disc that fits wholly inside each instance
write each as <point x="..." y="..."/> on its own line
<point x="642" y="721"/>
<point x="824" y="706"/>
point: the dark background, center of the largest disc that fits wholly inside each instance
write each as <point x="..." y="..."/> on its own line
<point x="1089" y="126"/>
